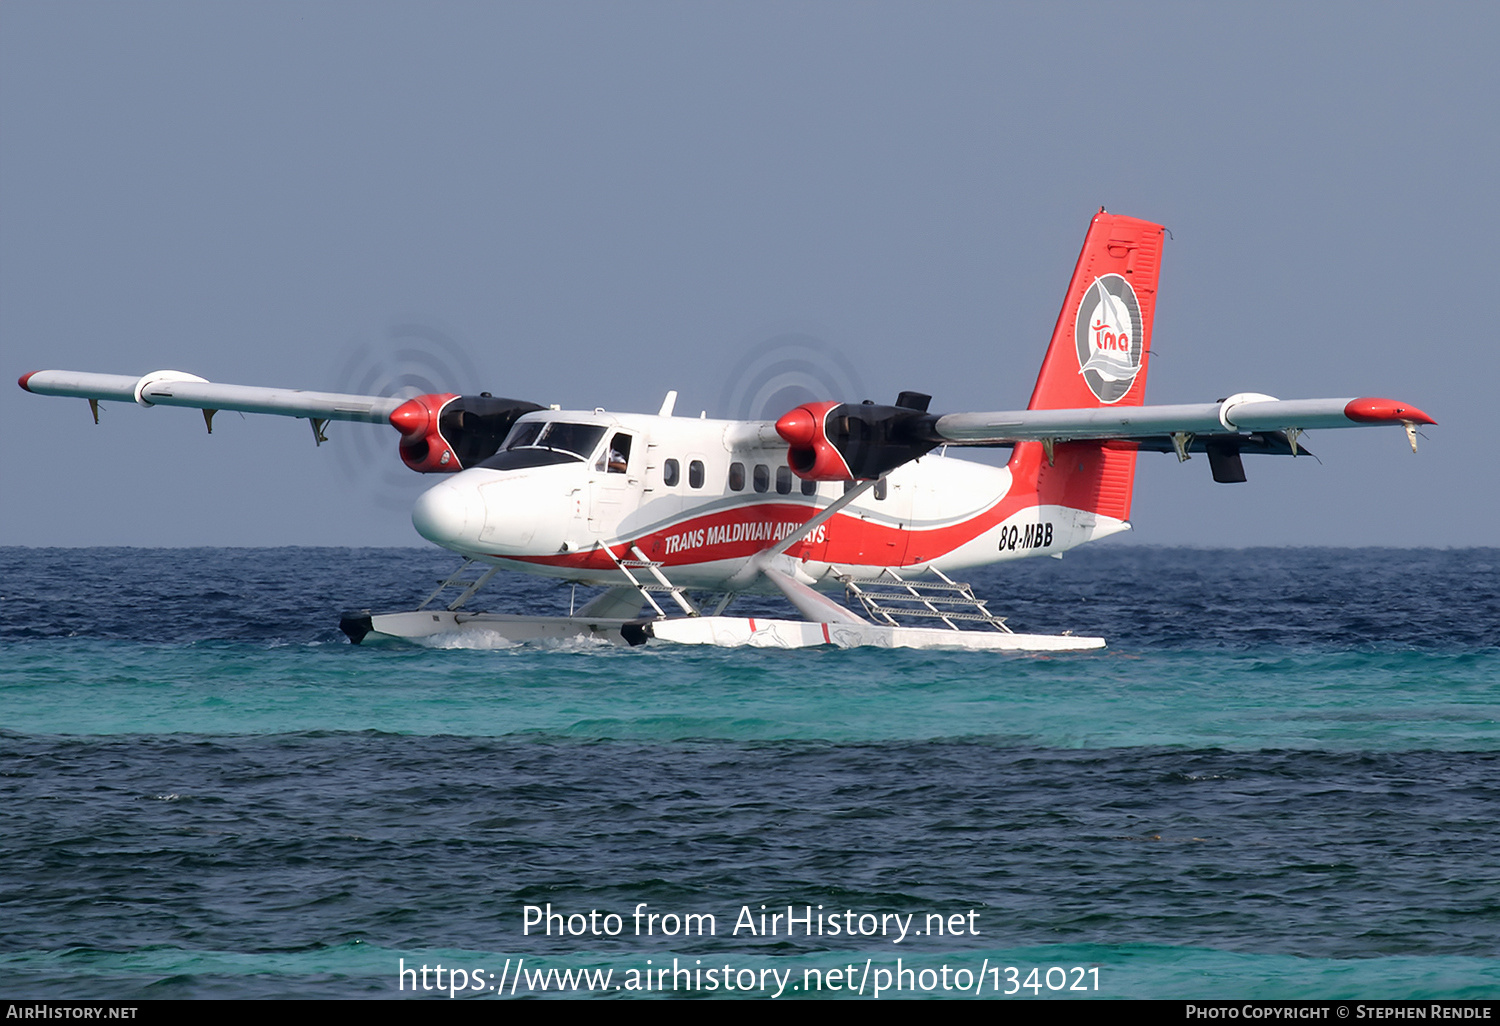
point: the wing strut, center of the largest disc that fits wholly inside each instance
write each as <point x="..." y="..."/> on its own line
<point x="814" y="605"/>
<point x="764" y="556"/>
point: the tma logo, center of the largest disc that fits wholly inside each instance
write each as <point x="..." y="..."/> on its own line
<point x="1108" y="331"/>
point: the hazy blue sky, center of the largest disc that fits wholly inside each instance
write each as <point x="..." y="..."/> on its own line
<point x="601" y="201"/>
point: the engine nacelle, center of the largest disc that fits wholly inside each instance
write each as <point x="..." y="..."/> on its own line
<point x="847" y="442"/>
<point x="445" y="433"/>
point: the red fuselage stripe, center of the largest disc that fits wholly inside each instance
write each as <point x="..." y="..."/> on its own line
<point x="741" y="533"/>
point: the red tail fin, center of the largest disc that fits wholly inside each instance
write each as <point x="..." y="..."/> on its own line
<point x="1099" y="356"/>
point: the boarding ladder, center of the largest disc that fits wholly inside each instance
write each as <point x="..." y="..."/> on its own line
<point x="467" y="578"/>
<point x="646" y="587"/>
<point x="887" y="596"/>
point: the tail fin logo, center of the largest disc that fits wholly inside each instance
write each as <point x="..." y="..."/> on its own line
<point x="1108" y="330"/>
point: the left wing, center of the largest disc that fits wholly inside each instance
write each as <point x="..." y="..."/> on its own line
<point x="1246" y="412"/>
<point x="1091" y="389"/>
<point x="843" y="441"/>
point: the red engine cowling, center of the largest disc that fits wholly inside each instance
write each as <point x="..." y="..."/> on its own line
<point x="445" y="433"/>
<point x="811" y="455"/>
<point x="423" y="447"/>
<point x="829" y="441"/>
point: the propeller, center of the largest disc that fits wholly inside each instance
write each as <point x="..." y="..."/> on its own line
<point x="784" y="371"/>
<point x="407" y="359"/>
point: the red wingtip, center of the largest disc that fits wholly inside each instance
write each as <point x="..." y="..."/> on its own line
<point x="25" y="378"/>
<point x="1374" y="411"/>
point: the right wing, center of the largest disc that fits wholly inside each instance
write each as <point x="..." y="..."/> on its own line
<point x="440" y="433"/>
<point x="174" y="388"/>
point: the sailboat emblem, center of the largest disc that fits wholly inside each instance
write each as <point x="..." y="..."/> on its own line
<point x="1108" y="333"/>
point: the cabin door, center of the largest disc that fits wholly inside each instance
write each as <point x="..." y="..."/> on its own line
<point x="615" y="483"/>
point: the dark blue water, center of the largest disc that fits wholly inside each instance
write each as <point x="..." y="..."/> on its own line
<point x="1282" y="779"/>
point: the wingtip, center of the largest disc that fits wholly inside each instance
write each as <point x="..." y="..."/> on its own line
<point x="25" y="378"/>
<point x="1375" y="411"/>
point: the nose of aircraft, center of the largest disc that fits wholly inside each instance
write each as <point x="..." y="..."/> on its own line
<point x="450" y="514"/>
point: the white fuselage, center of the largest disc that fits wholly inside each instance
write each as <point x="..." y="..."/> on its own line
<point x="702" y="497"/>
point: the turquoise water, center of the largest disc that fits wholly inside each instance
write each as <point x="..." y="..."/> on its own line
<point x="1287" y="791"/>
<point x="1338" y="701"/>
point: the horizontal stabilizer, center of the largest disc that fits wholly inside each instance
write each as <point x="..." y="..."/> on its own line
<point x="1260" y="443"/>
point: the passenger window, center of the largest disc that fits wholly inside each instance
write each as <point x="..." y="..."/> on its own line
<point x="669" y="473"/>
<point x="736" y="477"/>
<point x="809" y="488"/>
<point x="783" y="480"/>
<point x="762" y="477"/>
<point x="695" y="474"/>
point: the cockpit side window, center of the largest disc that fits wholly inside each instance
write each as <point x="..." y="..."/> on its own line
<point x="616" y="458"/>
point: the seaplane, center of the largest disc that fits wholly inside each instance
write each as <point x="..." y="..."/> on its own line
<point x="676" y="516"/>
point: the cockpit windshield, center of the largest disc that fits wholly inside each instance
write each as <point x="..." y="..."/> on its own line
<point x="542" y="444"/>
<point x="577" y="440"/>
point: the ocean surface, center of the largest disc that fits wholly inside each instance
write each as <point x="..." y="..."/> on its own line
<point x="1280" y="780"/>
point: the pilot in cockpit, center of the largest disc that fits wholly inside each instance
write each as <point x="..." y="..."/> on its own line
<point x="618" y="456"/>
